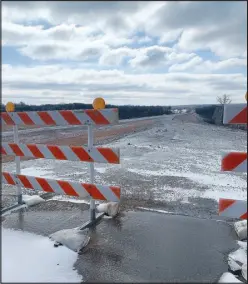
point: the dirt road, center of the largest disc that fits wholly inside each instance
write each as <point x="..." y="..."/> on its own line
<point x="76" y="135"/>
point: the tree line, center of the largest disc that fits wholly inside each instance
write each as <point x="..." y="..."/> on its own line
<point x="125" y="111"/>
<point x="207" y="113"/>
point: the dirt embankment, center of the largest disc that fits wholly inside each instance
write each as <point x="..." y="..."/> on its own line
<point x="100" y="136"/>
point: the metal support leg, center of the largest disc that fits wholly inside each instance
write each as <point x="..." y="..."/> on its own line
<point x="91" y="166"/>
<point x="18" y="166"/>
<point x="94" y="218"/>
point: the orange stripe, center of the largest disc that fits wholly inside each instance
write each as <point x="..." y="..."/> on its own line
<point x="70" y="117"/>
<point x="25" y="118"/>
<point x="109" y="155"/>
<point x="44" y="184"/>
<point x="240" y="117"/>
<point x="8" y="178"/>
<point x="45" y="116"/>
<point x="93" y="191"/>
<point x="16" y="149"/>
<point x="232" y="160"/>
<point x="35" y="151"/>
<point x="82" y="154"/>
<point x="116" y="190"/>
<point x="68" y="189"/>
<point x="244" y="216"/>
<point x="225" y="203"/>
<point x="59" y="155"/>
<point x="7" y="118"/>
<point x="96" y="116"/>
<point x="26" y="183"/>
<point x="3" y="152"/>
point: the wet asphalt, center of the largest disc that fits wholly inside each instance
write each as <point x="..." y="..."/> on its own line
<point x="137" y="246"/>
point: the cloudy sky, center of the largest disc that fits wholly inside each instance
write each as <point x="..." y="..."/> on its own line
<point x="147" y="53"/>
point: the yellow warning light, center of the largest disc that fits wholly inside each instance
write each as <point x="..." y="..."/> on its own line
<point x="99" y="103"/>
<point x="10" y="107"/>
<point x="246" y="96"/>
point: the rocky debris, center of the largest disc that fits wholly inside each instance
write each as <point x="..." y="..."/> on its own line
<point x="110" y="209"/>
<point x="241" y="229"/>
<point x="237" y="260"/>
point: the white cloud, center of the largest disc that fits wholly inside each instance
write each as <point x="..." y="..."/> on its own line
<point x="187" y="65"/>
<point x="56" y="83"/>
<point x="117" y="56"/>
<point x="157" y="43"/>
<point x="197" y="64"/>
<point x="219" y="26"/>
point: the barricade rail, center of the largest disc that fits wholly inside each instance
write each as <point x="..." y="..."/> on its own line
<point x="89" y="154"/>
<point x="234" y="162"/>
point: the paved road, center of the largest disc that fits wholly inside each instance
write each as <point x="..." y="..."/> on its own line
<point x="138" y="246"/>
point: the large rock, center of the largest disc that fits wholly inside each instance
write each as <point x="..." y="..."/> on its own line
<point x="110" y="208"/>
<point x="241" y="229"/>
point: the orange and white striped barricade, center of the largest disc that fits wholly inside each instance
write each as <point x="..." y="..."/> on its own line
<point x="235" y="114"/>
<point x="234" y="162"/>
<point x="99" y="192"/>
<point x="233" y="208"/>
<point x="88" y="154"/>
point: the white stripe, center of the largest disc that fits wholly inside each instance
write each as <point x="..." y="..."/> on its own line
<point x="16" y="118"/>
<point x="70" y="155"/>
<point x="96" y="155"/>
<point x="107" y="193"/>
<point x="55" y="186"/>
<point x="230" y="111"/>
<point x="241" y="168"/>
<point x="34" y="183"/>
<point x="79" y="189"/>
<point x="7" y="149"/>
<point x="236" y="210"/>
<point x="46" y="152"/>
<point x="25" y="150"/>
<point x="83" y="118"/>
<point x="14" y="177"/>
<point x="110" y="115"/>
<point x="58" y="118"/>
<point x="36" y="119"/>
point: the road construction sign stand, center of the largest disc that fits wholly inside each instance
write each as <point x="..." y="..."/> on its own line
<point x="234" y="162"/>
<point x="93" y="217"/>
<point x="98" y="103"/>
<point x="98" y="116"/>
<point x="10" y="107"/>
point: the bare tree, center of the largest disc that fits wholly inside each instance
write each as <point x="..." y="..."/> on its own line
<point x="225" y="99"/>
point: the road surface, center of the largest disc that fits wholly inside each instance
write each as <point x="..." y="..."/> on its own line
<point x="170" y="164"/>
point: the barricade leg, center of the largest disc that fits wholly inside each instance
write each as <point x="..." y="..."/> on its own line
<point x="18" y="166"/>
<point x="91" y="166"/>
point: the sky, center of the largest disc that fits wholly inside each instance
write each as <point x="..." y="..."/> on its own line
<point x="137" y="53"/>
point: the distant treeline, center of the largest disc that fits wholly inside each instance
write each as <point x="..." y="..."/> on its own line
<point x="125" y="112"/>
<point x="214" y="115"/>
<point x="207" y="113"/>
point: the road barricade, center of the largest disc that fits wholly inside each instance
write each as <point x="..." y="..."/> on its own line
<point x="234" y="162"/>
<point x="89" y="153"/>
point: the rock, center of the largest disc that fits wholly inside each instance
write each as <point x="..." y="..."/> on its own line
<point x="241" y="229"/>
<point x="244" y="271"/>
<point x="228" y="277"/>
<point x="110" y="208"/>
